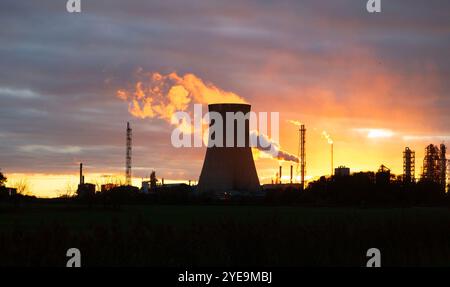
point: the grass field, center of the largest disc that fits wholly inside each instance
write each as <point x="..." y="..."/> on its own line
<point x="33" y="216"/>
<point x="223" y="235"/>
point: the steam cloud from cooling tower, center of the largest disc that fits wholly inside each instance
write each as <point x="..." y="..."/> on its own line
<point x="155" y="95"/>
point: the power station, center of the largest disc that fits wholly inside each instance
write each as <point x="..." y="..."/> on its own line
<point x="85" y="189"/>
<point x="227" y="169"/>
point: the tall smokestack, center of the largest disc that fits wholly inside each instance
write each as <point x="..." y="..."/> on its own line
<point x="302" y="155"/>
<point x="81" y="174"/>
<point x="280" y="173"/>
<point x="292" y="172"/>
<point x="229" y="168"/>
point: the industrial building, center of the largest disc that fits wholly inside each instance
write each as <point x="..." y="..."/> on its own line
<point x="227" y="169"/>
<point x="108" y="186"/>
<point x="279" y="185"/>
<point x="163" y="187"/>
<point x="435" y="164"/>
<point x="85" y="189"/>
<point x="342" y="171"/>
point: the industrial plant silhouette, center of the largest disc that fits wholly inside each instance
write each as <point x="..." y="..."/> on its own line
<point x="229" y="174"/>
<point x="229" y="219"/>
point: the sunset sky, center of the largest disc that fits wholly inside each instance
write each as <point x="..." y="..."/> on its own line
<point x="375" y="82"/>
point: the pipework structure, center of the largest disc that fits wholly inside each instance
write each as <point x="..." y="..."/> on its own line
<point x="435" y="164"/>
<point x="409" y="166"/>
<point x="302" y="156"/>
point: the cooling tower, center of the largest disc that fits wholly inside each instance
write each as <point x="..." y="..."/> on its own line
<point x="229" y="168"/>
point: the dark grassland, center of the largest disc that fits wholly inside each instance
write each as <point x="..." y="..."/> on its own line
<point x="39" y="234"/>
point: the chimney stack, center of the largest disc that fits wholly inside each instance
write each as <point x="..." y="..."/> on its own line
<point x="292" y="172"/>
<point x="81" y="174"/>
<point x="280" y="173"/>
<point x="302" y="155"/>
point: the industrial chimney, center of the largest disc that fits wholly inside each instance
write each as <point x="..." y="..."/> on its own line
<point x="280" y="174"/>
<point x="81" y="174"/>
<point x="229" y="168"/>
<point x="292" y="173"/>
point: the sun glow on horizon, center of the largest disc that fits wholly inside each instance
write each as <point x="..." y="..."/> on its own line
<point x="376" y="133"/>
<point x="55" y="185"/>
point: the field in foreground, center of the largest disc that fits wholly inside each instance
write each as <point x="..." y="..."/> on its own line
<point x="158" y="235"/>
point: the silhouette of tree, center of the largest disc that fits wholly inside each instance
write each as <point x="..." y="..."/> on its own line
<point x="22" y="186"/>
<point x="68" y="191"/>
<point x="3" y="180"/>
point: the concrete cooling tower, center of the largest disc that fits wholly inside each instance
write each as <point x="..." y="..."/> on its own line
<point x="229" y="168"/>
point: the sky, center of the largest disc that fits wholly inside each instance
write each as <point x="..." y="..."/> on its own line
<point x="375" y="82"/>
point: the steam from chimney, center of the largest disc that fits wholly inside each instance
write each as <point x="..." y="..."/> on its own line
<point x="295" y="123"/>
<point x="155" y="95"/>
<point x="327" y="137"/>
<point x="274" y="150"/>
<point x="330" y="142"/>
